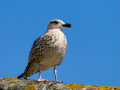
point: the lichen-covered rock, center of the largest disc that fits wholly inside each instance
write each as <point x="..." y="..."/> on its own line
<point x="90" y="87"/>
<point x="23" y="84"/>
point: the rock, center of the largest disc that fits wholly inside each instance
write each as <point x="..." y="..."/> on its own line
<point x="25" y="84"/>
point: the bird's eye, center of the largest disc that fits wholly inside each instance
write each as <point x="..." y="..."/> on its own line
<point x="55" y="22"/>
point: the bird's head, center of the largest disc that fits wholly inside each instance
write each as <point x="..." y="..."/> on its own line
<point x="57" y="24"/>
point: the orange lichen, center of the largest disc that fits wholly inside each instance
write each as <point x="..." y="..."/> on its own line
<point x="30" y="87"/>
<point x="13" y="79"/>
<point x="74" y="86"/>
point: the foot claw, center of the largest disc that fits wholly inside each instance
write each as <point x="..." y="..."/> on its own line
<point x="62" y="81"/>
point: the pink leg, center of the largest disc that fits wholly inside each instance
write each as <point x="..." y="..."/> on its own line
<point x="40" y="79"/>
<point x="55" y="71"/>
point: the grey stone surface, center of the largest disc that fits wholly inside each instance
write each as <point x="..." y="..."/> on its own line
<point x="23" y="84"/>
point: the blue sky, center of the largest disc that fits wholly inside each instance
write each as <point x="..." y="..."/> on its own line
<point x="93" y="52"/>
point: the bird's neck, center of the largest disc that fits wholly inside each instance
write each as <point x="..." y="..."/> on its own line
<point x="53" y="30"/>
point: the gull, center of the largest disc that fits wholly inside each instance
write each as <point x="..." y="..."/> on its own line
<point x="48" y="50"/>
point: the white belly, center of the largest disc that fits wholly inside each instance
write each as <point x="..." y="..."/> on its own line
<point x="48" y="63"/>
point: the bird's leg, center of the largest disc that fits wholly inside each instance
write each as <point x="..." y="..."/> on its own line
<point x="40" y="79"/>
<point x="55" y="71"/>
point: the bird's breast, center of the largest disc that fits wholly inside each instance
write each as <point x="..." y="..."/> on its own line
<point x="55" y="51"/>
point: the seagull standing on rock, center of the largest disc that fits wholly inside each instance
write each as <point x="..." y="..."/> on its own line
<point x="48" y="50"/>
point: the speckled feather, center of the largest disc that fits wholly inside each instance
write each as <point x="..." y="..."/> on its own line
<point x="47" y="50"/>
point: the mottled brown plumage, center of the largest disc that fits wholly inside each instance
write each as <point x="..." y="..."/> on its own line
<point x="48" y="50"/>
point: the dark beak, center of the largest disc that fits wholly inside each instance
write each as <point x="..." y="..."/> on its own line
<point x="66" y="25"/>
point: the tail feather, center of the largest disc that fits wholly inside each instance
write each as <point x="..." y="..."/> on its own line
<point x="20" y="76"/>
